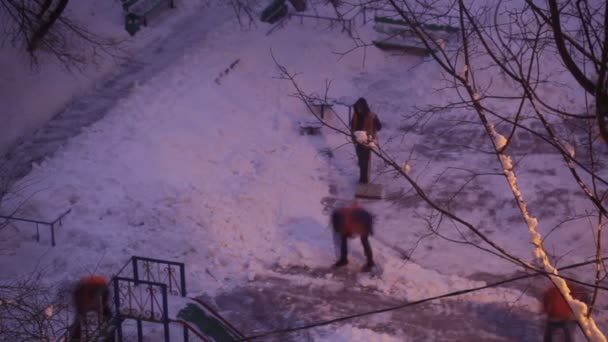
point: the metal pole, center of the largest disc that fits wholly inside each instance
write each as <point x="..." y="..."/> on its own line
<point x="53" y="235"/>
<point x="37" y="233"/>
<point x="135" y="271"/>
<point x="117" y="310"/>
<point x="165" y="313"/>
<point x="182" y="276"/>
<point x="140" y="332"/>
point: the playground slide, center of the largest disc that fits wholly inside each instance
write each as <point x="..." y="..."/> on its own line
<point x="206" y="321"/>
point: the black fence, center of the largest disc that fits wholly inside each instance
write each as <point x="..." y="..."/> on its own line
<point x="141" y="290"/>
<point x="141" y="293"/>
<point x="141" y="301"/>
<point x="50" y="224"/>
<point x="170" y="273"/>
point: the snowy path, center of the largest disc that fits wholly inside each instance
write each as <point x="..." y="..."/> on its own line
<point x="281" y="302"/>
<point x="87" y="109"/>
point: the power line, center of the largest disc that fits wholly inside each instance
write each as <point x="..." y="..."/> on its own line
<point x="404" y="305"/>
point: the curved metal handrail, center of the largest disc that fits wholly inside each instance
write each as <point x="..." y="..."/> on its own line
<point x="190" y="328"/>
<point x="217" y="314"/>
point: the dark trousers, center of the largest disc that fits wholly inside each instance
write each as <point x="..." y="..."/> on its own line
<point x="554" y="325"/>
<point x="364" y="156"/>
<point x="366" y="248"/>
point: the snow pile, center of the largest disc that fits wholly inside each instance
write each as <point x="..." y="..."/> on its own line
<point x="361" y="137"/>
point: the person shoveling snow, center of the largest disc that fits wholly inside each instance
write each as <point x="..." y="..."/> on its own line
<point x="364" y="125"/>
<point x="349" y="222"/>
<point x="559" y="314"/>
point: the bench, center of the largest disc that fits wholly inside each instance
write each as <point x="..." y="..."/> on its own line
<point x="137" y="12"/>
<point x="398" y="35"/>
<point x="310" y="127"/>
<point x="411" y="46"/>
<point x="391" y="26"/>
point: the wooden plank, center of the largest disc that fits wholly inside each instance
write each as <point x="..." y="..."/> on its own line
<point x="434" y="27"/>
<point x="371" y="191"/>
<point x="397" y="28"/>
<point x="394" y="45"/>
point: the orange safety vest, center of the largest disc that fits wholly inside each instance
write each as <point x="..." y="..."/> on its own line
<point x="352" y="226"/>
<point x="91" y="294"/>
<point x="94" y="280"/>
<point x="555" y="305"/>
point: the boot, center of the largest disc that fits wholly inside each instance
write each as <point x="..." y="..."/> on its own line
<point x="368" y="267"/>
<point x="340" y="263"/>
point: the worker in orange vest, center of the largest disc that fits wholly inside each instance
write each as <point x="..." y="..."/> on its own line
<point x="349" y="222"/>
<point x="92" y="294"/>
<point x="559" y="314"/>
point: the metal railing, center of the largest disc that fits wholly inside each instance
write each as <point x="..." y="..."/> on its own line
<point x="170" y="273"/>
<point x="141" y="290"/>
<point x="191" y="329"/>
<point x="38" y="223"/>
<point x="156" y="277"/>
<point x="231" y="327"/>
<point x="142" y="301"/>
